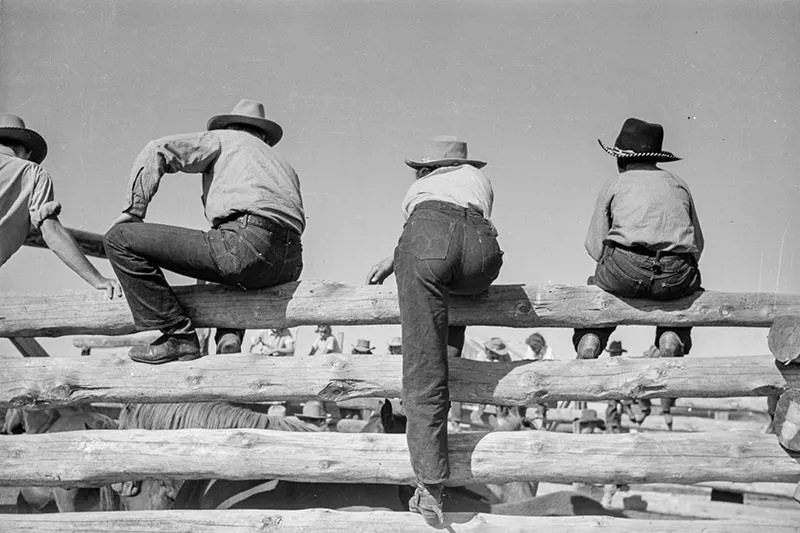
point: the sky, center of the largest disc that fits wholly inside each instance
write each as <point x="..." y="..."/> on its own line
<point x="360" y="86"/>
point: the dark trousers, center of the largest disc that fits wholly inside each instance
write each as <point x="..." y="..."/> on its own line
<point x="629" y="274"/>
<point x="443" y="250"/>
<point x="237" y="253"/>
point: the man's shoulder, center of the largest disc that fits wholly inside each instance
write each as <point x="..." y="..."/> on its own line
<point x="11" y="166"/>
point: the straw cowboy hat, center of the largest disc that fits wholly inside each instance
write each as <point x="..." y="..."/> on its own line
<point x="640" y="140"/>
<point x="444" y="151"/>
<point x="362" y="346"/>
<point x="496" y="345"/>
<point x="12" y="128"/>
<point x="396" y="341"/>
<point x="615" y="347"/>
<point x="313" y="410"/>
<point x="252" y="114"/>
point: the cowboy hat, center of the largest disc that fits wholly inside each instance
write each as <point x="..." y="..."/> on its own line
<point x="12" y="128"/>
<point x="444" y="151"/>
<point x="615" y="347"/>
<point x="276" y="410"/>
<point x="640" y="140"/>
<point x="252" y="114"/>
<point x="496" y="345"/>
<point x="313" y="410"/>
<point x="396" y="341"/>
<point x="362" y="346"/>
<point x="589" y="416"/>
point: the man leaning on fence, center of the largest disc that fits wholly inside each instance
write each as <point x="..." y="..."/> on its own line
<point x="252" y="199"/>
<point x="27" y="203"/>
<point x="644" y="235"/>
<point x="447" y="247"/>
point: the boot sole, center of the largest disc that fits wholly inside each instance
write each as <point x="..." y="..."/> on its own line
<point x="161" y="361"/>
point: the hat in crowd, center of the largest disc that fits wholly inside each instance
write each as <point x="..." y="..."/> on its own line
<point x="496" y="345"/>
<point x="362" y="346"/>
<point x="640" y="140"/>
<point x="615" y="347"/>
<point x="313" y="410"/>
<point x="249" y="113"/>
<point x="276" y="410"/>
<point x="444" y="151"/>
<point x="396" y="341"/>
<point x="589" y="416"/>
<point x="12" y="128"/>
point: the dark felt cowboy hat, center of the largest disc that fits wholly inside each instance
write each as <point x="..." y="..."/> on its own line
<point x="444" y="151"/>
<point x="615" y="347"/>
<point x="12" y="128"/>
<point x="589" y="416"/>
<point x="252" y="114"/>
<point x="640" y="140"/>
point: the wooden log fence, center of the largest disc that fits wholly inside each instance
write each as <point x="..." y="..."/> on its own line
<point x="319" y="302"/>
<point x="55" y="381"/>
<point x="324" y="521"/>
<point x="97" y="457"/>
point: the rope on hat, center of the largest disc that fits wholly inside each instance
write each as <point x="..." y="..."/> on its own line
<point x="618" y="152"/>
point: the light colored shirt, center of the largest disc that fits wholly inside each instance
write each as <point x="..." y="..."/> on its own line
<point x="26" y="200"/>
<point x="327" y="345"/>
<point x="548" y="354"/>
<point x="241" y="174"/>
<point x="649" y="208"/>
<point x="267" y="342"/>
<point x="465" y="186"/>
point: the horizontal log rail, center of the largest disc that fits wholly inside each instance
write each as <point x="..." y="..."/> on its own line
<point x="324" y="521"/>
<point x="749" y="404"/>
<point x="58" y="381"/>
<point x="105" y="456"/>
<point x="90" y="243"/>
<point x="318" y="302"/>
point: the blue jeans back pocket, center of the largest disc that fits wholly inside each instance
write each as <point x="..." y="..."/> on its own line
<point x="429" y="238"/>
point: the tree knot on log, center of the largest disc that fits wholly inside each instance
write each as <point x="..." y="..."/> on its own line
<point x="324" y="465"/>
<point x="523" y="308"/>
<point x="726" y="309"/>
<point x="344" y="389"/>
<point x="271" y="523"/>
<point x="60" y="391"/>
<point x="337" y="363"/>
<point x="194" y="380"/>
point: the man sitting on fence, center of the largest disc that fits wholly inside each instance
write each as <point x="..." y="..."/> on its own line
<point x="27" y="202"/>
<point x="252" y="198"/>
<point x="448" y="246"/>
<point x="644" y="235"/>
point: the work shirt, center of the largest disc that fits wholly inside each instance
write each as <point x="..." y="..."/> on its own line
<point x="327" y="345"/>
<point x="26" y="200"/>
<point x="241" y="174"/>
<point x="268" y="341"/>
<point x="649" y="208"/>
<point x="464" y="185"/>
<point x="548" y="354"/>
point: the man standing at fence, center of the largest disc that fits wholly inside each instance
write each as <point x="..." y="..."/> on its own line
<point x="448" y="246"/>
<point x="27" y="202"/>
<point x="252" y="199"/>
<point x="644" y="235"/>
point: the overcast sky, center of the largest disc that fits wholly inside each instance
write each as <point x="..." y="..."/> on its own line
<point x="359" y="86"/>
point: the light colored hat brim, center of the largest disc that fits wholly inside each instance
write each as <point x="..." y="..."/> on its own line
<point x="272" y="129"/>
<point x="662" y="156"/>
<point x="436" y="163"/>
<point x="28" y="138"/>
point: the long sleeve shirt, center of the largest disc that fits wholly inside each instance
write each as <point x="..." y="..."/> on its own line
<point x="464" y="185"/>
<point x="26" y="200"/>
<point x="649" y="208"/>
<point x="241" y="174"/>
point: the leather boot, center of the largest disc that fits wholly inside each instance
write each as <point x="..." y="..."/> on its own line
<point x="427" y="501"/>
<point x="670" y="345"/>
<point x="166" y="348"/>
<point x="589" y="346"/>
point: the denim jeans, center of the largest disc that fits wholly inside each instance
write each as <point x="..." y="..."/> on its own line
<point x="236" y="253"/>
<point x="628" y="274"/>
<point x="444" y="249"/>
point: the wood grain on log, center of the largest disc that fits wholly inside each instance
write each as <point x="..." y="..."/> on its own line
<point x="787" y="420"/>
<point x="324" y="521"/>
<point x="107" y="456"/>
<point x="784" y="338"/>
<point x="247" y="378"/>
<point x="317" y="302"/>
<point x="90" y="243"/>
<point x="122" y="341"/>
<point x="752" y="404"/>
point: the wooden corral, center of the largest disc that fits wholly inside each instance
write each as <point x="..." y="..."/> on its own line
<point x="324" y="521"/>
<point x="244" y="378"/>
<point x="320" y="302"/>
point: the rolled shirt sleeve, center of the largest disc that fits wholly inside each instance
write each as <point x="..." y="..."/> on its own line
<point x="191" y="153"/>
<point x="42" y="204"/>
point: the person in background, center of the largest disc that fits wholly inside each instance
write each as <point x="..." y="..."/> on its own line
<point x="616" y="408"/>
<point x="396" y="346"/>
<point x="325" y="343"/>
<point x="496" y="350"/>
<point x="252" y="199"/>
<point x="538" y="349"/>
<point x="448" y="246"/>
<point x="276" y="342"/>
<point x="27" y="203"/>
<point x="362" y="347"/>
<point x="644" y="234"/>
